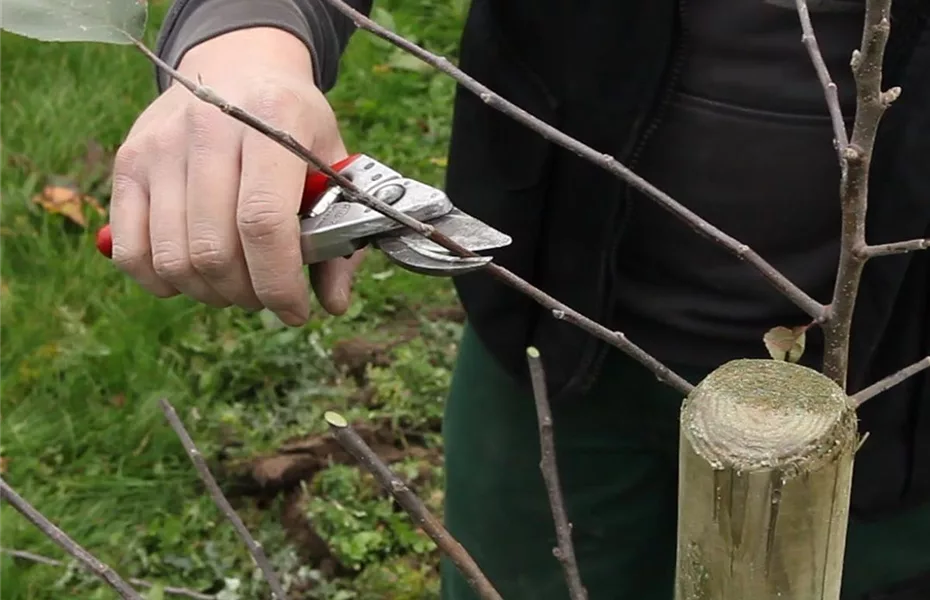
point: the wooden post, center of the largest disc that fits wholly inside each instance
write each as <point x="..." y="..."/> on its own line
<point x="765" y="473"/>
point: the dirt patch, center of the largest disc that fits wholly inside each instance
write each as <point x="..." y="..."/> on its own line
<point x="299" y="459"/>
<point x="353" y="355"/>
<point x="311" y="547"/>
<point x="364" y="396"/>
<point x="453" y="313"/>
<point x="279" y="474"/>
<point x="314" y="549"/>
<point x="415" y="314"/>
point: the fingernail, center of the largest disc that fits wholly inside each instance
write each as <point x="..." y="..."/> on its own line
<point x="344" y="297"/>
<point x="293" y="319"/>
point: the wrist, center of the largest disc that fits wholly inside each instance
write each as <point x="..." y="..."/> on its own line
<point x="239" y="49"/>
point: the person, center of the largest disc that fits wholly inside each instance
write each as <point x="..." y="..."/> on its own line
<point x="714" y="102"/>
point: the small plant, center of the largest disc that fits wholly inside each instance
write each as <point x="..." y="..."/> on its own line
<point x="363" y="524"/>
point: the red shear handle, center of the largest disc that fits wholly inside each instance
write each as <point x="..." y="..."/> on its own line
<point x="317" y="182"/>
<point x="315" y="185"/>
<point x="105" y="241"/>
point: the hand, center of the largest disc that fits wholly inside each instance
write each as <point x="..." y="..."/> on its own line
<point x="206" y="206"/>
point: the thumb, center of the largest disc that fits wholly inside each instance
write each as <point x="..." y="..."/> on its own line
<point x="332" y="282"/>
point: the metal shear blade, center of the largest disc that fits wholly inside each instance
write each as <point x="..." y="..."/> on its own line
<point x="416" y="253"/>
<point x="341" y="227"/>
<point x="335" y="228"/>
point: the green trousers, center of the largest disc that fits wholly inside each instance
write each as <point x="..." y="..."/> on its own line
<point x="617" y="455"/>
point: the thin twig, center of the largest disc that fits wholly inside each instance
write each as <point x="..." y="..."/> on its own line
<point x="855" y="159"/>
<point x="889" y="382"/>
<point x="87" y="560"/>
<point x="841" y="141"/>
<point x="791" y="291"/>
<point x="871" y="104"/>
<point x="615" y="338"/>
<point x="896" y="248"/>
<point x="565" y="552"/>
<point x="354" y="194"/>
<point x="862" y="440"/>
<point x="168" y="589"/>
<point x="255" y="549"/>
<point x="356" y="446"/>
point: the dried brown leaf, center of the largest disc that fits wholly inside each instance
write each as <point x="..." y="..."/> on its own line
<point x="67" y="200"/>
<point x="786" y="343"/>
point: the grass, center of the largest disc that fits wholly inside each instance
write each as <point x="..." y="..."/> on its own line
<point x="86" y="353"/>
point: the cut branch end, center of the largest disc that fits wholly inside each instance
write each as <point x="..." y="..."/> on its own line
<point x="335" y="419"/>
<point x="564" y="552"/>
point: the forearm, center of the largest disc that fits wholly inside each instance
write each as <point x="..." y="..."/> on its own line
<point x="321" y="28"/>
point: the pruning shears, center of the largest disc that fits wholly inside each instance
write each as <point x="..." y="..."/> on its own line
<point x="332" y="225"/>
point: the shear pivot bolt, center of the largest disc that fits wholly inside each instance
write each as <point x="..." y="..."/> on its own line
<point x="390" y="194"/>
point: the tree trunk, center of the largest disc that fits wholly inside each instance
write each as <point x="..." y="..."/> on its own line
<point x="766" y="468"/>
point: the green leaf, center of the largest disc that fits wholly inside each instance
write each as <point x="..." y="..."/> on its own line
<point x="785" y="343"/>
<point x="156" y="592"/>
<point x="108" y="21"/>
<point x="407" y="62"/>
<point x="383" y="17"/>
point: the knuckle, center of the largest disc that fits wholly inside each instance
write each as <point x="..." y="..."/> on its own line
<point x="166" y="140"/>
<point x="127" y="260"/>
<point x="170" y="263"/>
<point x="126" y="162"/>
<point x="261" y="214"/>
<point x="210" y="257"/>
<point x="202" y="114"/>
<point x="206" y="123"/>
<point x="272" y="102"/>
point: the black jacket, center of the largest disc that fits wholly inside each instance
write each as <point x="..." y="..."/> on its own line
<point x="605" y="83"/>
<point x="602" y="71"/>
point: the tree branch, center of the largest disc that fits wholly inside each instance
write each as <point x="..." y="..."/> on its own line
<point x="889" y="382"/>
<point x="791" y="291"/>
<point x="565" y="552"/>
<point x="356" y="446"/>
<point x="168" y="589"/>
<point x="87" y="560"/>
<point x="354" y="194"/>
<point x="840" y="139"/>
<point x="855" y="160"/>
<point x="221" y="502"/>
<point x="896" y="248"/>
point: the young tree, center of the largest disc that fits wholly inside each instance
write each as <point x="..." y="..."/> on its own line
<point x="767" y="445"/>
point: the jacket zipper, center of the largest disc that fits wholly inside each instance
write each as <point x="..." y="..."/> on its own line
<point x="592" y="366"/>
<point x="669" y="90"/>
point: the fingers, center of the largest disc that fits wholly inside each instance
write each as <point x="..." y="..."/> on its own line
<point x="207" y="207"/>
<point x="129" y="222"/>
<point x="171" y="257"/>
<point x="332" y="282"/>
<point x="213" y="168"/>
<point x="269" y="195"/>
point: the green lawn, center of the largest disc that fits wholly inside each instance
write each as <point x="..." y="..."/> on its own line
<point x="86" y="354"/>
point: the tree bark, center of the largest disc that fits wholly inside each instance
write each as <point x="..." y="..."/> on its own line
<point x="766" y="462"/>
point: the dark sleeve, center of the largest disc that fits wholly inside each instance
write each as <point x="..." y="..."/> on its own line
<point x="322" y="28"/>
